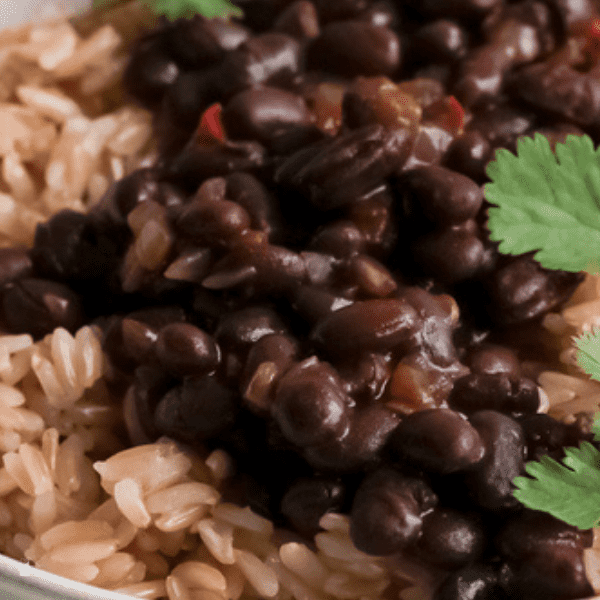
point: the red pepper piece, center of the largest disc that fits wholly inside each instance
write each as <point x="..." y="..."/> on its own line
<point x="447" y="113"/>
<point x="211" y="127"/>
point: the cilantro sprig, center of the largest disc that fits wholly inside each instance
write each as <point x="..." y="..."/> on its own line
<point x="548" y="202"/>
<point x="175" y="9"/>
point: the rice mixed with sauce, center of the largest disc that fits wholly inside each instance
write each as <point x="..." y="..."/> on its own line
<point x="235" y="337"/>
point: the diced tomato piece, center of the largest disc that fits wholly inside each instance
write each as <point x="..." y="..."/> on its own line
<point x="211" y="127"/>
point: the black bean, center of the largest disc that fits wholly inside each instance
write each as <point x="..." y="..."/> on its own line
<point x="15" y="263"/>
<point x="199" y="42"/>
<point x="502" y="125"/>
<point x="469" y="154"/>
<point x="307" y="500"/>
<point x="267" y="58"/>
<point x="212" y="222"/>
<point x="184" y="349"/>
<point x="442" y="196"/>
<point x="311" y="405"/>
<point x="39" y="306"/>
<point x="72" y="246"/>
<point x="387" y="512"/>
<point x="299" y="19"/>
<point x="341" y="239"/>
<point x="440" y="440"/>
<point x="264" y="113"/>
<point x="313" y="303"/>
<point x="338" y="172"/>
<point x="362" y="446"/>
<point x="559" y="89"/>
<point x="474" y="582"/>
<point x="380" y="14"/>
<point x="150" y="71"/>
<point x="139" y="341"/>
<point x="440" y="40"/>
<point x="492" y="359"/>
<point x="450" y="538"/>
<point x="197" y="162"/>
<point x="246" y="326"/>
<point x="366" y="380"/>
<point x="196" y="410"/>
<point x="523" y="290"/>
<point x="342" y="9"/>
<point x="498" y="391"/>
<point x="491" y="481"/>
<point x="251" y="194"/>
<point x="545" y="435"/>
<point x="354" y="48"/>
<point x="369" y="325"/>
<point x="452" y="254"/>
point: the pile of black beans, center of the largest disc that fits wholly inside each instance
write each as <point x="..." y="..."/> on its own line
<point x="315" y="290"/>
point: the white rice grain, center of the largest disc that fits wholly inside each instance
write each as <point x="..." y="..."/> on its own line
<point x="304" y="563"/>
<point x="243" y="517"/>
<point x="147" y="590"/>
<point x="182" y="495"/>
<point x="218" y="538"/>
<point x="195" y="574"/>
<point x="261" y="576"/>
<point x="49" y="102"/>
<point x="128" y="497"/>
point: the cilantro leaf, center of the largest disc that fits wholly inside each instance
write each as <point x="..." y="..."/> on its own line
<point x="175" y="9"/>
<point x="548" y="202"/>
<point x="596" y="428"/>
<point x="588" y="353"/>
<point x="569" y="491"/>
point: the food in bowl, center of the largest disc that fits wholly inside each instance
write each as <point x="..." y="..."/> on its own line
<point x="260" y="340"/>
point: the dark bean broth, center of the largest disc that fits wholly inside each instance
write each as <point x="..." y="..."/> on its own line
<point x="316" y="291"/>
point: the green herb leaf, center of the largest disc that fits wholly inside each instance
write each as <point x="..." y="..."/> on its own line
<point x="596" y="428"/>
<point x="548" y="202"/>
<point x="175" y="9"/>
<point x="588" y="353"/>
<point x="569" y="491"/>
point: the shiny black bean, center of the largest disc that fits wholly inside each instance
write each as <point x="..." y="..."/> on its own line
<point x="354" y="48"/>
<point x="440" y="195"/>
<point x="491" y="481"/>
<point x="184" y="349"/>
<point x="380" y="14"/>
<point x="545" y="435"/>
<point x="492" y="359"/>
<point x="39" y="306"/>
<point x="523" y="290"/>
<point x="196" y="410"/>
<point x="546" y="555"/>
<point x="387" y="512"/>
<point x="15" y="263"/>
<point x="502" y="125"/>
<point x="559" y="89"/>
<point x="341" y="239"/>
<point x="450" y="538"/>
<point x="271" y="268"/>
<point x="311" y="406"/>
<point x="314" y="304"/>
<point x="367" y="379"/>
<point x="247" y="191"/>
<point x="369" y="325"/>
<point x="199" y="42"/>
<point x="307" y="500"/>
<point x="469" y="154"/>
<point x="196" y="162"/>
<point x="320" y="267"/>
<point x="264" y="113"/>
<point x="339" y="171"/>
<point x="361" y="448"/>
<point x="246" y="326"/>
<point x="441" y="40"/>
<point x="270" y="58"/>
<point x="138" y="340"/>
<point x="497" y="391"/>
<point x="451" y="255"/>
<point x="474" y="582"/>
<point x="212" y="222"/>
<point x="299" y="19"/>
<point x="150" y="71"/>
<point x="440" y="440"/>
